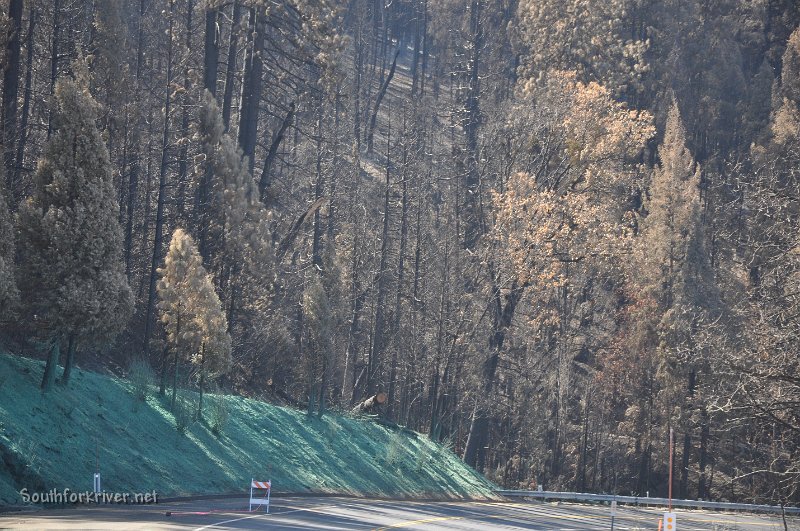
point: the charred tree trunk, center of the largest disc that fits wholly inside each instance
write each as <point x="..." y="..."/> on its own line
<point x="417" y="45"/>
<point x="68" y="363"/>
<point x="162" y="388"/>
<point x="398" y="306"/>
<point x="479" y="426"/>
<point x="165" y="355"/>
<point x="11" y="90"/>
<point x="316" y="245"/>
<point x="54" y="51"/>
<point x="683" y="487"/>
<point x="581" y="480"/>
<point x="376" y="349"/>
<point x="211" y="51"/>
<point x="183" y="163"/>
<point x="49" y="376"/>
<point x="358" y="67"/>
<point x="230" y="69"/>
<point x="162" y="191"/>
<point x="202" y="381"/>
<point x="473" y="214"/>
<point x="252" y="88"/>
<point x="22" y="137"/>
<point x="133" y="177"/>
<point x="266" y="174"/>
<point x="425" y="46"/>
<point x="702" y="488"/>
<point x="444" y="308"/>
<point x="174" y="381"/>
<point x="379" y="98"/>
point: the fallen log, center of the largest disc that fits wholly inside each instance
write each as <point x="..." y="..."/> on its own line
<point x="370" y="403"/>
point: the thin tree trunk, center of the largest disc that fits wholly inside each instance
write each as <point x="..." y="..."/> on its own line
<point x="162" y="388"/>
<point x="376" y="349"/>
<point x="333" y="207"/>
<point x="54" y="59"/>
<point x="356" y="294"/>
<point x="479" y="426"/>
<point x="581" y="483"/>
<point x="374" y="118"/>
<point x="702" y="490"/>
<point x="11" y="89"/>
<point x="444" y="305"/>
<point x="22" y="138"/>
<point x="412" y="382"/>
<point x="183" y="163"/>
<point x="69" y="361"/>
<point x="174" y="381"/>
<point x="324" y="383"/>
<point x="148" y="178"/>
<point x="425" y="47"/>
<point x="358" y="66"/>
<point x="417" y="45"/>
<point x="683" y="487"/>
<point x="133" y="177"/>
<point x="251" y="89"/>
<point x="230" y="68"/>
<point x="316" y="246"/>
<point x="49" y="376"/>
<point x="234" y="287"/>
<point x="202" y="381"/>
<point x="266" y="174"/>
<point x="162" y="191"/>
<point x="398" y="306"/>
<point x="165" y="353"/>
<point x="211" y="51"/>
<point x="473" y="214"/>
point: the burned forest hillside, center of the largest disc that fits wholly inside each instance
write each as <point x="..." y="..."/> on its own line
<point x="547" y="232"/>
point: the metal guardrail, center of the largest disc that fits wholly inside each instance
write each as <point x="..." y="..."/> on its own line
<point x="637" y="500"/>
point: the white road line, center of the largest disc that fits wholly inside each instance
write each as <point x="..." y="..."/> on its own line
<point x="216" y="524"/>
<point x="229" y="521"/>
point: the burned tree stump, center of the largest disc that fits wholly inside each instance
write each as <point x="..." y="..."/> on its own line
<point x="370" y="403"/>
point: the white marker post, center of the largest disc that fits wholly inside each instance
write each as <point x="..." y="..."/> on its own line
<point x="613" y="513"/>
<point x="96" y="467"/>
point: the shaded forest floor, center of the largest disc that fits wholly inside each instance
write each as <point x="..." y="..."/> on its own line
<point x="55" y="440"/>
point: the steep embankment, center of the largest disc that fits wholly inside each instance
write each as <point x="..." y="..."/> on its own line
<point x="53" y="441"/>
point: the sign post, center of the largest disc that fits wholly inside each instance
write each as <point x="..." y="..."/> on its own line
<point x="671" y="446"/>
<point x="669" y="521"/>
<point x="96" y="484"/>
<point x="613" y="513"/>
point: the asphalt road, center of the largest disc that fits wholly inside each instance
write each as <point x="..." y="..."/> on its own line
<point x="298" y="514"/>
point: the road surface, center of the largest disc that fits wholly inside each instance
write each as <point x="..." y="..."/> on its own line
<point x="297" y="514"/>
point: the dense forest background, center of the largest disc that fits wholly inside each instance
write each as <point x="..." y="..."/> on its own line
<point x="549" y="230"/>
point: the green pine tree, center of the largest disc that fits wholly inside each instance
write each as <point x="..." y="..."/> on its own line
<point x="73" y="284"/>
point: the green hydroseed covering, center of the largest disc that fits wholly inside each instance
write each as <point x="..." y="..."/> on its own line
<point x="53" y="441"/>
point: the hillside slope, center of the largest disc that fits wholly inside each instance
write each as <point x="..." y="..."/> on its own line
<point x="53" y="441"/>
